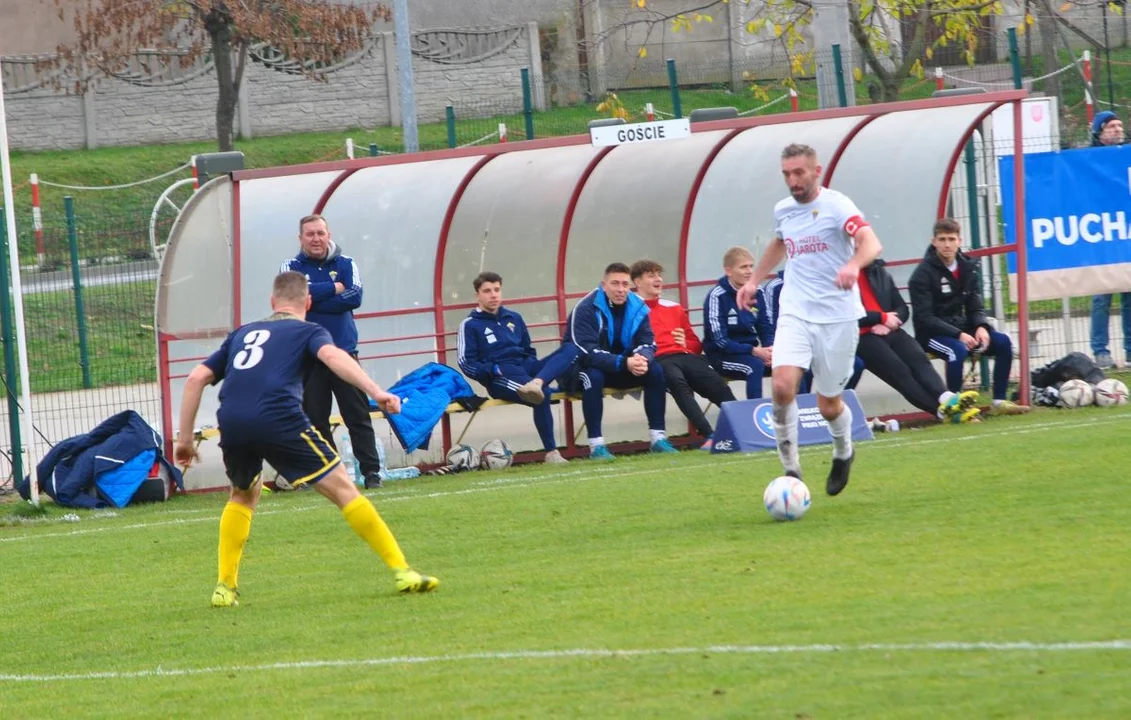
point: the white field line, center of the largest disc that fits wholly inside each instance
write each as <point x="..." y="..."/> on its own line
<point x="503" y="483"/>
<point x="567" y="654"/>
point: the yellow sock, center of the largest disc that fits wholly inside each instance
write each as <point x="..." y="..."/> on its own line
<point x="363" y="518"/>
<point x="235" y="526"/>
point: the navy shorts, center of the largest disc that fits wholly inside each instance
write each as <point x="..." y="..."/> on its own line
<point x="304" y="457"/>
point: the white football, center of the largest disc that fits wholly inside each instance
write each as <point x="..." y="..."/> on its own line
<point x="463" y="457"/>
<point x="1075" y="393"/>
<point x="786" y="498"/>
<point x="1110" y="392"/>
<point x="496" y="455"/>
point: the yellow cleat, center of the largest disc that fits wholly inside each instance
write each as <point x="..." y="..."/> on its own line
<point x="410" y="581"/>
<point x="966" y="416"/>
<point x="1005" y="407"/>
<point x="224" y="596"/>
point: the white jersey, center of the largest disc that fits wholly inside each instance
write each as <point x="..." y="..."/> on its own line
<point x="818" y="239"/>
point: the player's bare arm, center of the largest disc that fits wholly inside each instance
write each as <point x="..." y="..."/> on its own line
<point x="868" y="248"/>
<point x="344" y="366"/>
<point x="201" y="377"/>
<point x="773" y="256"/>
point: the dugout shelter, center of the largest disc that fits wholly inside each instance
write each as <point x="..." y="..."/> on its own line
<point x="548" y="215"/>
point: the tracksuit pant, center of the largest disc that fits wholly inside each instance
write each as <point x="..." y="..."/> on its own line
<point x="547" y="369"/>
<point x="741" y="367"/>
<point x="319" y="391"/>
<point x="594" y="381"/>
<point x="955" y="353"/>
<point x="899" y="361"/>
<point x="686" y="374"/>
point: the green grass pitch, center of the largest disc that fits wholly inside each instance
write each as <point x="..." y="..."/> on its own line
<point x="967" y="571"/>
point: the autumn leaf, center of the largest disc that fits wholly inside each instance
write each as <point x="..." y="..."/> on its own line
<point x="643" y="52"/>
<point x="641" y="3"/>
<point x="857" y="74"/>
<point x="929" y="52"/>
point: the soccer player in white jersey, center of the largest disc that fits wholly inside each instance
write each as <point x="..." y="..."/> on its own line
<point x="825" y="242"/>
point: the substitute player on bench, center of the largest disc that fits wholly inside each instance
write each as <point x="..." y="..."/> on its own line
<point x="261" y="418"/>
<point x="825" y="241"/>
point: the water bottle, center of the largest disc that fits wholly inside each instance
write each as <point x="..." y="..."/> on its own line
<point x="404" y="473"/>
<point x="350" y="462"/>
<point x="381" y="455"/>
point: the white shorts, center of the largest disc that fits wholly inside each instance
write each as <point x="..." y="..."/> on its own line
<point x="829" y="350"/>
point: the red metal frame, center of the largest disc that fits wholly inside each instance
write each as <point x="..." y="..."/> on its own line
<point x="944" y="192"/>
<point x="237" y="290"/>
<point x="559" y="280"/>
<point x="438" y="277"/>
<point x="331" y="189"/>
<point x="685" y="226"/>
<point x="842" y="147"/>
<point x="1021" y="238"/>
<point x="166" y="385"/>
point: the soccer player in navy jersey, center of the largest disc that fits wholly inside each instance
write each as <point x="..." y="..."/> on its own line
<point x="261" y="418"/>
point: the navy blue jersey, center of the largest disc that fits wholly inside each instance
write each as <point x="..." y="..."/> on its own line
<point x="263" y="365"/>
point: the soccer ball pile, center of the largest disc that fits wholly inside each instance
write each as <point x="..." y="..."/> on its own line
<point x="786" y="498"/>
<point x="495" y="455"/>
<point x="1081" y="393"/>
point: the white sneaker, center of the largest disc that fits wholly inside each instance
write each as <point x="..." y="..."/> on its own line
<point x="555" y="458"/>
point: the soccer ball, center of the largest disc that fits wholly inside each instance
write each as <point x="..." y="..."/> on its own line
<point x="786" y="498"/>
<point x="496" y="455"/>
<point x="463" y="457"/>
<point x="1110" y="392"/>
<point x="1075" y="393"/>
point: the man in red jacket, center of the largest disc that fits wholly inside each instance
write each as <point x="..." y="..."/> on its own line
<point x="679" y="350"/>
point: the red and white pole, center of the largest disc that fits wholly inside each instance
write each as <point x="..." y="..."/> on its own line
<point x="938" y="78"/>
<point x="792" y="100"/>
<point x="1089" y="107"/>
<point x="649" y="111"/>
<point x="502" y="132"/>
<point x="195" y="174"/>
<point x="37" y="219"/>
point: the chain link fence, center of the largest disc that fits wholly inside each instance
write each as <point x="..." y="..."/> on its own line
<point x="88" y="309"/>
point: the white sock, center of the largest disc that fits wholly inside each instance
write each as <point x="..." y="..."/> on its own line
<point x="594" y="442"/>
<point x="657" y="435"/>
<point x="840" y="428"/>
<point x="943" y="400"/>
<point x="998" y="402"/>
<point x="785" y="433"/>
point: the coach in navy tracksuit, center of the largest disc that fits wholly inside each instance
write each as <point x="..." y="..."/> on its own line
<point x="335" y="292"/>
<point x="495" y="350"/>
<point x="737" y="341"/>
<point x="610" y="328"/>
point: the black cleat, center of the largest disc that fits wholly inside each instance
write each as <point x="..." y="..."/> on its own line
<point x="838" y="475"/>
<point x="372" y="480"/>
<point x="793" y="474"/>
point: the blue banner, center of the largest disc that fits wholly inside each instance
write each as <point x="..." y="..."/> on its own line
<point x="747" y="425"/>
<point x="1077" y="206"/>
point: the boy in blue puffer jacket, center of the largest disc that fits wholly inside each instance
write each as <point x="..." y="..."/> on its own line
<point x="610" y="329"/>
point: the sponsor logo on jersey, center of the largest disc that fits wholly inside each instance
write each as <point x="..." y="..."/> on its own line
<point x="808" y="245"/>
<point x="510" y="326"/>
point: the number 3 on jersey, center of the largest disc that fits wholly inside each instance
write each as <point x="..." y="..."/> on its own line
<point x="252" y="351"/>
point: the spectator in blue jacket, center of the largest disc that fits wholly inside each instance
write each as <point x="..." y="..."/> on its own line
<point x="335" y="292"/>
<point x="737" y="341"/>
<point x="495" y="350"/>
<point x="610" y="328"/>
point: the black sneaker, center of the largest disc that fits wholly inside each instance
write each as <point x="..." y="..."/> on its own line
<point x="838" y="475"/>
<point x="372" y="480"/>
